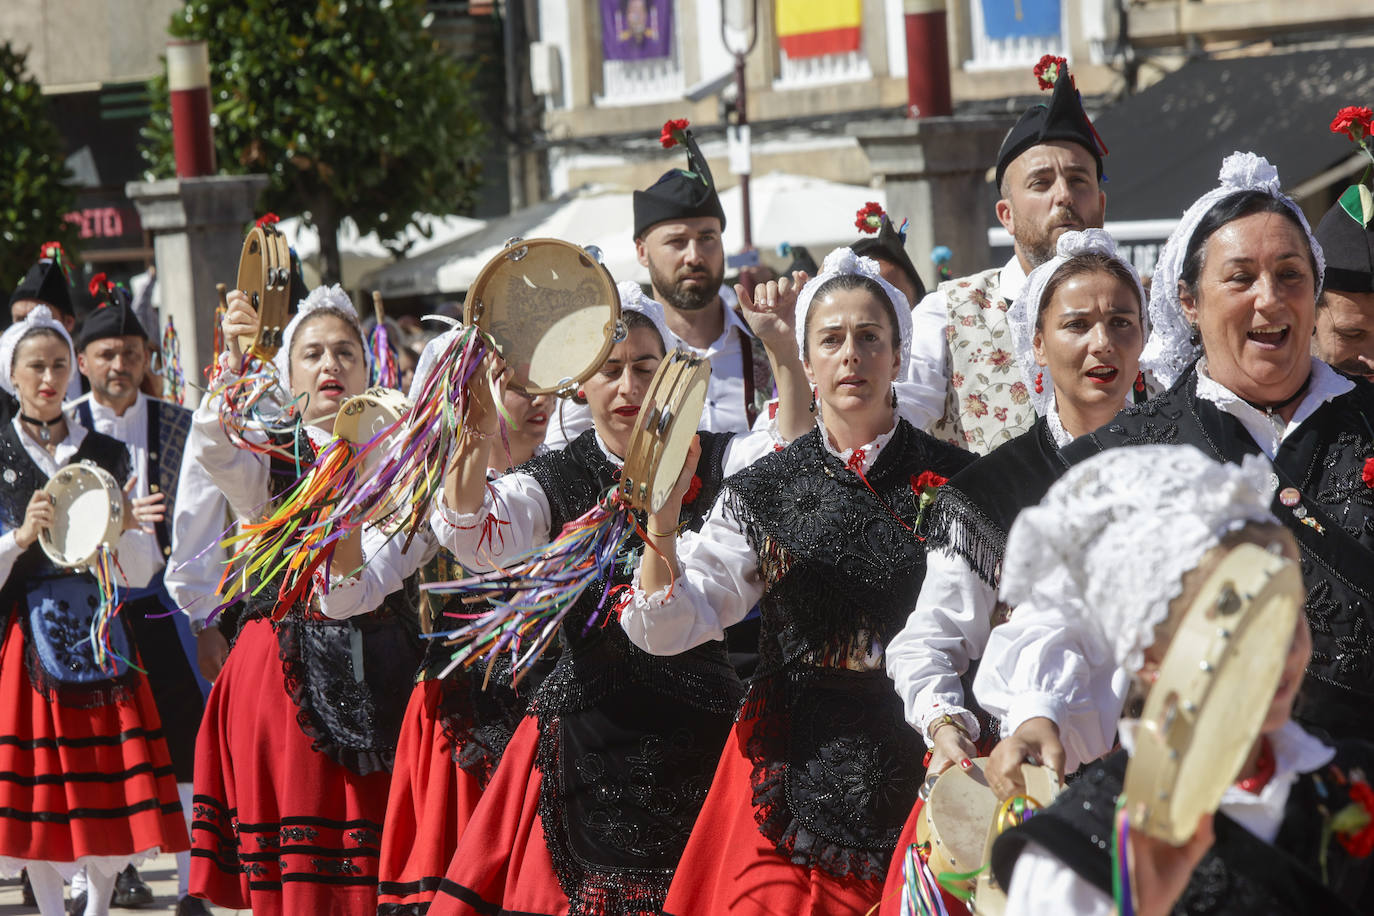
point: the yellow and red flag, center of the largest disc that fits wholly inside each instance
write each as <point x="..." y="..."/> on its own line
<point x="811" y="28"/>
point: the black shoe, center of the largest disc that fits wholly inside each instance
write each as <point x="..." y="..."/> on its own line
<point x="28" y="890"/>
<point x="130" y="891"/>
<point x="192" y="906"/>
<point x="77" y="905"/>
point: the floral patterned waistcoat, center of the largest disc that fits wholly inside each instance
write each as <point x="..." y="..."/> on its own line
<point x="986" y="402"/>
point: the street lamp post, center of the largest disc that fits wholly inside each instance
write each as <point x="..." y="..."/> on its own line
<point x="739" y="32"/>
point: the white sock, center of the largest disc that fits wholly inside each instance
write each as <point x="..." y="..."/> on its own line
<point x="100" y="885"/>
<point x="186" y="792"/>
<point x="47" y="888"/>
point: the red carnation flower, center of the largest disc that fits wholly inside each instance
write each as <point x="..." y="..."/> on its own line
<point x="869" y="219"/>
<point x="1354" y="825"/>
<point x="1367" y="475"/>
<point x="268" y="219"/>
<point x="693" y="490"/>
<point x="928" y="480"/>
<point x="99" y="283"/>
<point x="671" y="134"/>
<point x="1355" y="121"/>
<point x="1049" y="70"/>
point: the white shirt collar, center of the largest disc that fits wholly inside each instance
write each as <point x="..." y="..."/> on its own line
<point x="871" y="450"/>
<point x="66" y="449"/>
<point x="1011" y="280"/>
<point x="728" y="334"/>
<point x="1268" y="433"/>
<point x="136" y="409"/>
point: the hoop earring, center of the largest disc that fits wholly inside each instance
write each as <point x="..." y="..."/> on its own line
<point x="1040" y="382"/>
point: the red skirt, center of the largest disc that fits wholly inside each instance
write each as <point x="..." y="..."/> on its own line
<point x="502" y="863"/>
<point x="892" y="890"/>
<point x="278" y="826"/>
<point x="730" y="867"/>
<point x="432" y="800"/>
<point x="81" y="782"/>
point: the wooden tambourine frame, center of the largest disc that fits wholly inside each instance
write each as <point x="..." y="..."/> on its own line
<point x="88" y="513"/>
<point x="667" y="420"/>
<point x="552" y="310"/>
<point x="265" y="275"/>
<point x="1215" y="686"/>
<point x="359" y="420"/>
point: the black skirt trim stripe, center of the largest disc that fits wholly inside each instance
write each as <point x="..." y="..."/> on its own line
<point x="66" y="817"/>
<point x="57" y="779"/>
<point x="474" y="900"/>
<point x="409" y="888"/>
<point x="332" y="852"/>
<point x="52" y="744"/>
<point x="274" y="826"/>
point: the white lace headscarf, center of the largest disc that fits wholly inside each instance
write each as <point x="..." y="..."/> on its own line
<point x="332" y="298"/>
<point x="845" y="261"/>
<point x="1110" y="542"/>
<point x="40" y="316"/>
<point x="632" y="299"/>
<point x="1170" y="351"/>
<point x="1024" y="313"/>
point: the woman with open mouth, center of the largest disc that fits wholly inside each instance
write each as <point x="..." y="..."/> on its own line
<point x="294" y="759"/>
<point x="820" y="771"/>
<point x="599" y="786"/>
<point x="1078" y="327"/>
<point x="1232" y="310"/>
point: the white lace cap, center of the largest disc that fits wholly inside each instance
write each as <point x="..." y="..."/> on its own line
<point x="1110" y="542"/>
<point x="321" y="297"/>
<point x="845" y="261"/>
<point x="1169" y="351"/>
<point x="40" y="316"/>
<point x="632" y="299"/>
<point x="1025" y="311"/>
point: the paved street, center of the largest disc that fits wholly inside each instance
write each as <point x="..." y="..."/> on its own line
<point x="161" y="874"/>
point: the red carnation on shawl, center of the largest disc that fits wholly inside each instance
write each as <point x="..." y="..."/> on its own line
<point x="1367" y="474"/>
<point x="1049" y="69"/>
<point x="1355" y="121"/>
<point x="869" y="219"/>
<point x="671" y="134"/>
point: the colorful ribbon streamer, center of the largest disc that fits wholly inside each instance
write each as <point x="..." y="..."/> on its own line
<point x="173" y="378"/>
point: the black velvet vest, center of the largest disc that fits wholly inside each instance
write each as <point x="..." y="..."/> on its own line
<point x="835" y="767"/>
<point x="1323" y="461"/>
<point x="1240" y="874"/>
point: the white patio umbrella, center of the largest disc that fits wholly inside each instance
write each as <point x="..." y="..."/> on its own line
<point x="359" y="254"/>
<point x="798" y="210"/>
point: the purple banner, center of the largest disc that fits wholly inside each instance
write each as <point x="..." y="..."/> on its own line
<point x="636" y="29"/>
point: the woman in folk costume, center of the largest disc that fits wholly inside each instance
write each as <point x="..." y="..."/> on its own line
<point x="599" y="787"/>
<point x="1123" y="546"/>
<point x="1078" y="326"/>
<point x="458" y="723"/>
<point x="294" y="758"/>
<point x="1232" y="307"/>
<point x="819" y="771"/>
<point x="85" y="777"/>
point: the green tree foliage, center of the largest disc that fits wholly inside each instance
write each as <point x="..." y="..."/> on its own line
<point x="34" y="189"/>
<point x="351" y="108"/>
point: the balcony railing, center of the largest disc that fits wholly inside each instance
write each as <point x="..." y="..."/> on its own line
<point x="640" y="82"/>
<point x="850" y="67"/>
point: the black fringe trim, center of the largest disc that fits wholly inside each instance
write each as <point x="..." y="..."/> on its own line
<point x="956" y="524"/>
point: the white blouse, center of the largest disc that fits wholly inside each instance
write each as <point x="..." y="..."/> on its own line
<point x="243" y="477"/>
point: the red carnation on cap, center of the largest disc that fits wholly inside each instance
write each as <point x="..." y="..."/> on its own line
<point x="99" y="284"/>
<point x="1050" y="69"/>
<point x="268" y="219"/>
<point x="869" y="218"/>
<point x="1355" y="121"/>
<point x="671" y="135"/>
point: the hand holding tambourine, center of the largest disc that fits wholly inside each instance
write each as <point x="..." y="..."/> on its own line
<point x="665" y="519"/>
<point x="240" y="320"/>
<point x="38" y="517"/>
<point x="486" y="388"/>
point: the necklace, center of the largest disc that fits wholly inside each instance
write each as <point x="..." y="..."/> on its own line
<point x="44" y="435"/>
<point x="1269" y="409"/>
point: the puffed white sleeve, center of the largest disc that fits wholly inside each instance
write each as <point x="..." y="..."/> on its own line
<point x="1034" y="666"/>
<point x="947" y="629"/>
<point x="9" y="552"/>
<point x="514" y="517"/>
<point x="921" y="394"/>
<point x="241" y="475"/>
<point x="719" y="584"/>
<point x="198" y="524"/>
<point x="1042" y="885"/>
<point x="387" y="562"/>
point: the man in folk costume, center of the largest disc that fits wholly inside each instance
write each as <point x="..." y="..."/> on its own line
<point x="113" y="353"/>
<point x="1049" y="173"/>
<point x="1344" y="337"/>
<point x="678" y="226"/>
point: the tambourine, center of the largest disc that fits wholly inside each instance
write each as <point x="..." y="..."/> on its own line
<point x="552" y="310"/>
<point x="1215" y="686"/>
<point x="963" y="815"/>
<point x="88" y="513"/>
<point x="663" y="430"/>
<point x="359" y="420"/>
<point x="265" y="275"/>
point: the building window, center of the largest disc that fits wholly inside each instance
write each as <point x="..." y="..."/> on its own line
<point x="641" y="59"/>
<point x="1008" y="34"/>
<point x="820" y="41"/>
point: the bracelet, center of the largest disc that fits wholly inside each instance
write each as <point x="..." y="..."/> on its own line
<point x="665" y="534"/>
<point x="946" y="719"/>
